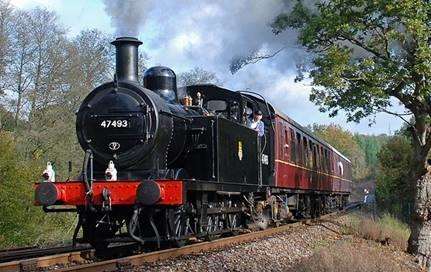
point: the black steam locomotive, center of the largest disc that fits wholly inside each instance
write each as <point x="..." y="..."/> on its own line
<point x="160" y="170"/>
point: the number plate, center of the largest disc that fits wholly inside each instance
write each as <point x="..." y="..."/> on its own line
<point x="109" y="123"/>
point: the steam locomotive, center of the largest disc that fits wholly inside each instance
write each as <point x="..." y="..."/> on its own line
<point x="158" y="170"/>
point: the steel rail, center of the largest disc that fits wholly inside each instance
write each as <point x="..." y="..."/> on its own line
<point x="63" y="260"/>
<point x="8" y="255"/>
<point x="2" y="251"/>
<point x="140" y="259"/>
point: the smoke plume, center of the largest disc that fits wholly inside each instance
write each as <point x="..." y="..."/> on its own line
<point x="219" y="35"/>
<point x="127" y="16"/>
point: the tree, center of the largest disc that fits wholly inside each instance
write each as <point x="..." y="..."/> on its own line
<point x="47" y="59"/>
<point x="91" y="63"/>
<point x="368" y="55"/>
<point x="197" y="76"/>
<point x="45" y="75"/>
<point x="392" y="179"/>
<point x="371" y="145"/>
<point x="19" y="77"/>
<point x="6" y="26"/>
<point x="6" y="120"/>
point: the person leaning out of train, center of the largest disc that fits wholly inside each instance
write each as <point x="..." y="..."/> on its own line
<point x="256" y="123"/>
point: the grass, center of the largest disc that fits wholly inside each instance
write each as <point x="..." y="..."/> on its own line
<point x="346" y="256"/>
<point x="356" y="256"/>
<point x="387" y="230"/>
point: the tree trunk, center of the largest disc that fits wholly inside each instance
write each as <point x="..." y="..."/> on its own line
<point x="420" y="237"/>
<point x="19" y="89"/>
<point x="33" y="98"/>
<point x="17" y="109"/>
<point x="419" y="243"/>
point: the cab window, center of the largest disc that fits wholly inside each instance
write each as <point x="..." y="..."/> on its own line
<point x="216" y="105"/>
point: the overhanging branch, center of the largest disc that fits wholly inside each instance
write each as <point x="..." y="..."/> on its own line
<point x="399" y="115"/>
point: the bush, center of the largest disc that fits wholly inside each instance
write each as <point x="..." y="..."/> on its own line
<point x="21" y="222"/>
<point x="386" y="230"/>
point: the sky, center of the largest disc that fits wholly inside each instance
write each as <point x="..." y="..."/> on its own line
<point x="184" y="34"/>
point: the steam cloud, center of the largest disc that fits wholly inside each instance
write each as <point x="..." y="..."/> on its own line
<point x="210" y="34"/>
<point x="127" y="16"/>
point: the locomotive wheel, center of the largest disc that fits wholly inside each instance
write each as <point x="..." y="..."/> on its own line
<point x="180" y="223"/>
<point x="211" y="228"/>
<point x="235" y="221"/>
<point x="95" y="236"/>
<point x="101" y="247"/>
<point x="262" y="222"/>
<point x="215" y="224"/>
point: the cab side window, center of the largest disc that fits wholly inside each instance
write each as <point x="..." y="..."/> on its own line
<point x="216" y="106"/>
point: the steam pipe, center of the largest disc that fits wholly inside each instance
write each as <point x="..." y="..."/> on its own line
<point x="88" y="153"/>
<point x="126" y="58"/>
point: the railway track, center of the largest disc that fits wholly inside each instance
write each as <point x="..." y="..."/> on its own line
<point x="8" y="255"/>
<point x="78" y="260"/>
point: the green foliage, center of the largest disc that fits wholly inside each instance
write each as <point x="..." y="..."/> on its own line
<point x="365" y="53"/>
<point x="47" y="74"/>
<point x="6" y="119"/>
<point x="371" y="145"/>
<point x="393" y="184"/>
<point x="22" y="223"/>
<point x="397" y="227"/>
<point x="367" y="57"/>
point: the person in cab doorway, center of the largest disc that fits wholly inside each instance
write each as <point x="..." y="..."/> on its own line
<point x="199" y="101"/>
<point x="256" y="123"/>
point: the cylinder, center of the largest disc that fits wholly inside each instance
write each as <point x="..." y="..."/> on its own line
<point x="126" y="58"/>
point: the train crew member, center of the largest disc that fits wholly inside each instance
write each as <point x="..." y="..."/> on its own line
<point x="199" y="101"/>
<point x="256" y="123"/>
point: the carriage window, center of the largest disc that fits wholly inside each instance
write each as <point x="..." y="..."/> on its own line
<point x="298" y="147"/>
<point x="322" y="159"/>
<point x="304" y="140"/>
<point x="327" y="164"/>
<point x="293" y="148"/>
<point x="314" y="156"/>
<point x="310" y="154"/>
<point x="341" y="168"/>
<point x="216" y="105"/>
<point x="331" y="158"/>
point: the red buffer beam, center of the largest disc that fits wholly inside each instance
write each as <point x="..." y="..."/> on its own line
<point x="122" y="192"/>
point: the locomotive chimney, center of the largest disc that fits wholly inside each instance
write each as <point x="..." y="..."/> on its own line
<point x="126" y="58"/>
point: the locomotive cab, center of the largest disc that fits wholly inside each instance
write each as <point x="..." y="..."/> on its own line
<point x="233" y="142"/>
